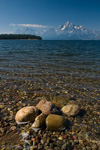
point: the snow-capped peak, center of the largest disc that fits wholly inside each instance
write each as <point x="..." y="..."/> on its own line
<point x="65" y="31"/>
<point x="64" y="26"/>
<point x="70" y="28"/>
<point x="67" y="23"/>
<point x="76" y="27"/>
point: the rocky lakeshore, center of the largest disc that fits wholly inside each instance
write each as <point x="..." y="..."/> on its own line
<point x="61" y="72"/>
<point x="82" y="130"/>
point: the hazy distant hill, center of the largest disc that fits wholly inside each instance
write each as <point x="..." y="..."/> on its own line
<point x="67" y="31"/>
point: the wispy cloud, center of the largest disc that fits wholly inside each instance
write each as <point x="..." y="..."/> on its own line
<point x="29" y="25"/>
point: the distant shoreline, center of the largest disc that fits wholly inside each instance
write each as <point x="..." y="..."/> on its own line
<point x="19" y="37"/>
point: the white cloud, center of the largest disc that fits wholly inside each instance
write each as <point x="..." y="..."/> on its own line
<point x="29" y="25"/>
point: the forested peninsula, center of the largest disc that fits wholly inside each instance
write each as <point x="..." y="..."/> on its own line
<point x="19" y="37"/>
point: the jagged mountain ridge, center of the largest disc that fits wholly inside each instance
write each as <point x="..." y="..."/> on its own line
<point x="67" y="31"/>
<point x="70" y="28"/>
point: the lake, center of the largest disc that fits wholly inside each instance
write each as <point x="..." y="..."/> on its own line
<point x="54" y="65"/>
<point x="59" y="71"/>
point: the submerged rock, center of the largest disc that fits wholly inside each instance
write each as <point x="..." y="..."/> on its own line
<point x="39" y="121"/>
<point x="71" y="109"/>
<point x="26" y="114"/>
<point x="55" y="122"/>
<point x="47" y="107"/>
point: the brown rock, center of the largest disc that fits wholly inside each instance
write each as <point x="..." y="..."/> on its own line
<point x="26" y="114"/>
<point x="39" y="121"/>
<point x="2" y="105"/>
<point x="13" y="128"/>
<point x="47" y="107"/>
<point x="55" y="122"/>
<point x="71" y="109"/>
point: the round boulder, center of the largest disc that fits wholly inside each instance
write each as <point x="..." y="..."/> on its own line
<point x="71" y="110"/>
<point x="26" y="114"/>
<point x="39" y="121"/>
<point x="55" y="122"/>
<point x="47" y="107"/>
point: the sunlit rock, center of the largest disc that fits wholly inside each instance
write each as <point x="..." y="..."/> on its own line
<point x="39" y="121"/>
<point x="47" y="107"/>
<point x="71" y="109"/>
<point x="26" y="114"/>
<point x="55" y="122"/>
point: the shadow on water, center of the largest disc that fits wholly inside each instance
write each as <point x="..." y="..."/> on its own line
<point x="1" y="114"/>
<point x="68" y="124"/>
<point x="82" y="113"/>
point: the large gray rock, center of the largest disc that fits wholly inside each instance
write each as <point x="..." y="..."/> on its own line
<point x="26" y="114"/>
<point x="55" y="122"/>
<point x="71" y="109"/>
<point x="47" y="107"/>
<point x="39" y="121"/>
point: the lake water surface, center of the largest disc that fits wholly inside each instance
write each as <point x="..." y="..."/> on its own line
<point x="59" y="71"/>
<point x="51" y="64"/>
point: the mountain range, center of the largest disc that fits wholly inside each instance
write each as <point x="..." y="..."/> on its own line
<point x="67" y="31"/>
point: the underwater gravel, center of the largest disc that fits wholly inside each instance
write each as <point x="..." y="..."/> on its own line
<point x="83" y="131"/>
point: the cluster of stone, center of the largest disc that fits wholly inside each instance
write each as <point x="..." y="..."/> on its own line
<point x="50" y="116"/>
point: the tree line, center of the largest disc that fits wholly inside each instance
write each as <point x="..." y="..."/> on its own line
<point x="19" y="36"/>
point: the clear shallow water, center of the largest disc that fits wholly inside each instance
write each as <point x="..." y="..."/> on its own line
<point x="60" y="71"/>
<point x="50" y="66"/>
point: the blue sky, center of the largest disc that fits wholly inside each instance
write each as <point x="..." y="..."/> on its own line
<point x="43" y="13"/>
